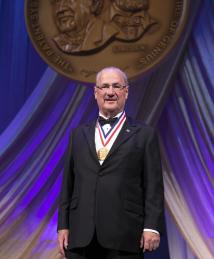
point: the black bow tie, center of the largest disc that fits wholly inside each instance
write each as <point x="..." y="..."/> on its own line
<point x="110" y="121"/>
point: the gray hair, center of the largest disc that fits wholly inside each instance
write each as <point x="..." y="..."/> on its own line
<point x="114" y="69"/>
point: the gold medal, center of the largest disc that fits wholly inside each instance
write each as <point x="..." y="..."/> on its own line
<point x="142" y="35"/>
<point x="102" y="153"/>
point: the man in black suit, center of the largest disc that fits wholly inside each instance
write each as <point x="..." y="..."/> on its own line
<point x="111" y="201"/>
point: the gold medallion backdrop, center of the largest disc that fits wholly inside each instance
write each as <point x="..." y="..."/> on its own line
<point x="78" y="38"/>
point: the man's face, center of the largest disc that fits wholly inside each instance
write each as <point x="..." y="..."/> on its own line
<point x="131" y="5"/>
<point x="111" y="101"/>
<point x="72" y="15"/>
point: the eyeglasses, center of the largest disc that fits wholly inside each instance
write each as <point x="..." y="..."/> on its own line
<point x="115" y="86"/>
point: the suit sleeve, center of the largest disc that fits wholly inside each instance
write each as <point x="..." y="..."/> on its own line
<point x="153" y="185"/>
<point x="66" y="189"/>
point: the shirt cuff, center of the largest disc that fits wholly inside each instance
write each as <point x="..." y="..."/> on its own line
<point x="151" y="230"/>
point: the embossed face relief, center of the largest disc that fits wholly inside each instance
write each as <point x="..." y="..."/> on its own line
<point x="131" y="5"/>
<point x="110" y="101"/>
<point x="72" y="15"/>
<point x="80" y="37"/>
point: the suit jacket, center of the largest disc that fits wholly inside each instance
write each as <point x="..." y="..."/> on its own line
<point x="120" y="197"/>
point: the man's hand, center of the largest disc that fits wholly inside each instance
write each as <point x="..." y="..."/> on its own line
<point x="149" y="241"/>
<point x="63" y="240"/>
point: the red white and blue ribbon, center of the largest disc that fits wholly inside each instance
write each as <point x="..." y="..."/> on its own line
<point x="106" y="138"/>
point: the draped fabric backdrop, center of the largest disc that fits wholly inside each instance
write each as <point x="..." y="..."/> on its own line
<point x="39" y="109"/>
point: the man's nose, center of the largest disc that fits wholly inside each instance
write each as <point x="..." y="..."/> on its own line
<point x="110" y="90"/>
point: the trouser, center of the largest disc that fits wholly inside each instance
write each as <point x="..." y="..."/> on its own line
<point x="95" y="251"/>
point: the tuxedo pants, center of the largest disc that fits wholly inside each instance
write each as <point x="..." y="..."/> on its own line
<point x="95" y="251"/>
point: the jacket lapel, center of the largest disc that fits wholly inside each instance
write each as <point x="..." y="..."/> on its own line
<point x="89" y="131"/>
<point x="129" y="129"/>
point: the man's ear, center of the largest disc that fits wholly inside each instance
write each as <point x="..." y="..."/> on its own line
<point x="127" y="93"/>
<point x="95" y="92"/>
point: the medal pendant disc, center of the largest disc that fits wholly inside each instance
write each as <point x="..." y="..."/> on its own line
<point x="102" y="153"/>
